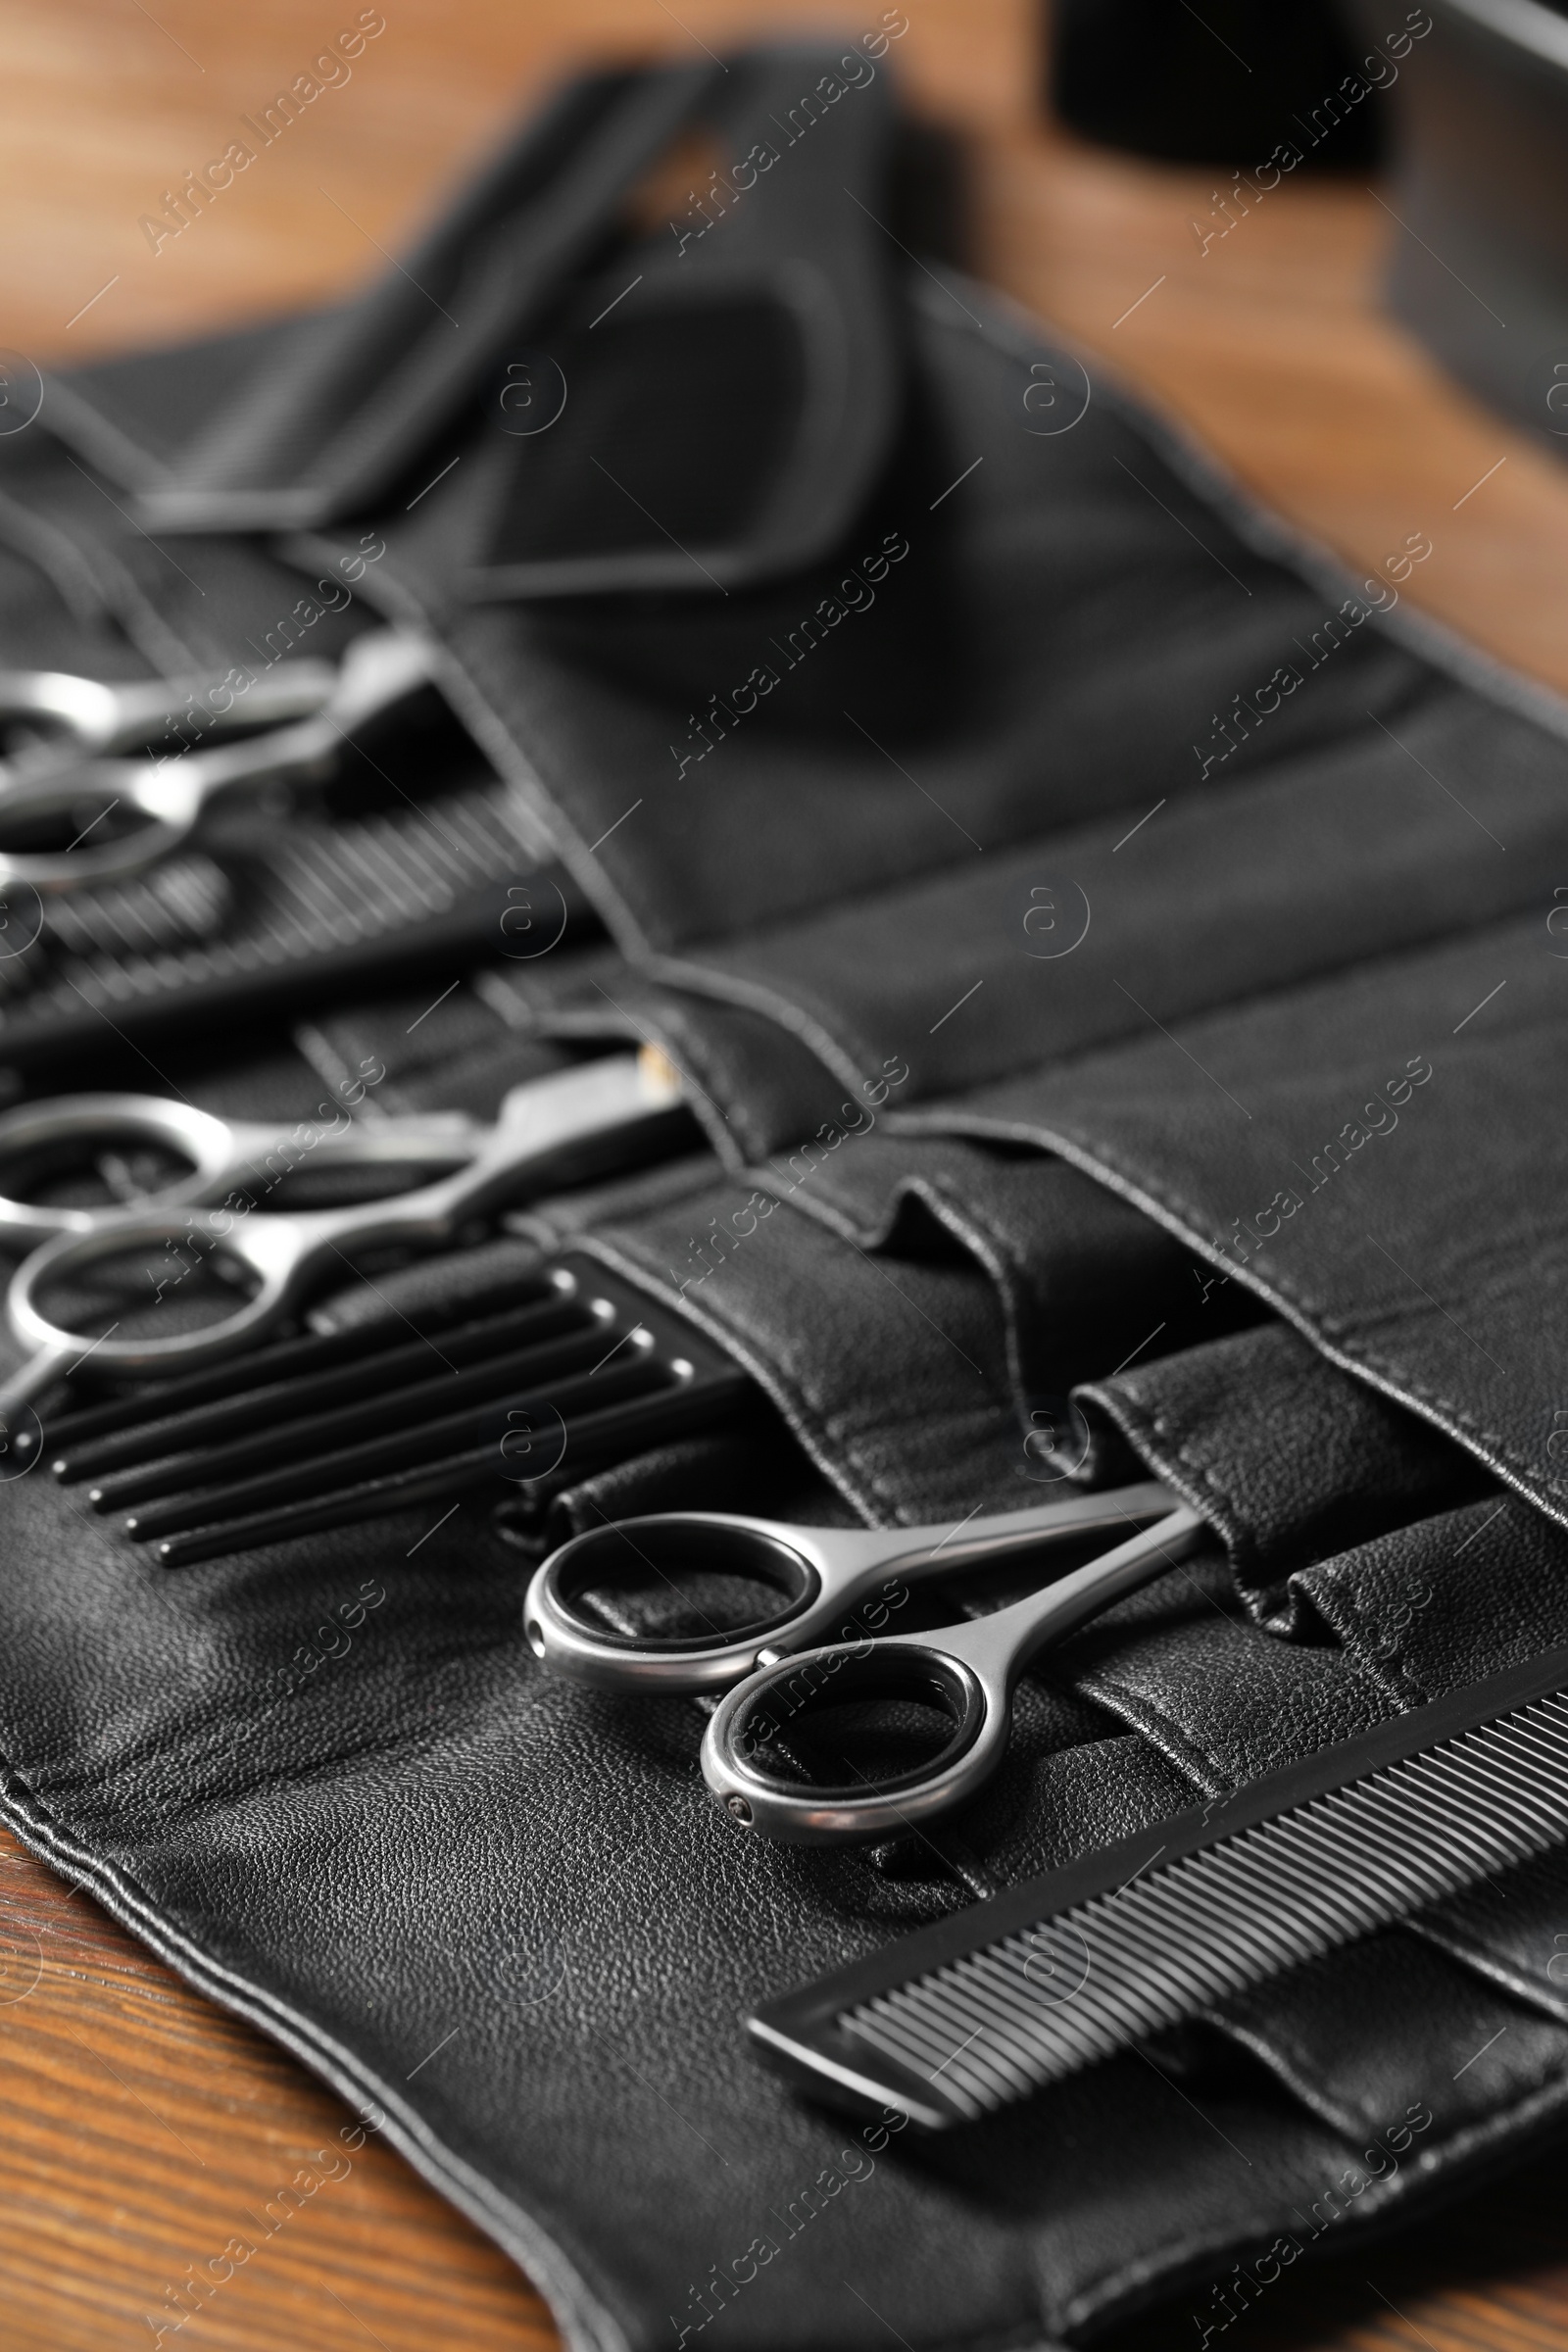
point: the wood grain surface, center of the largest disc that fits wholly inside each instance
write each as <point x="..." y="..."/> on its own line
<point x="142" y="2130"/>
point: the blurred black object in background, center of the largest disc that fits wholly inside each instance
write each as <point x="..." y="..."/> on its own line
<point x="1225" y="82"/>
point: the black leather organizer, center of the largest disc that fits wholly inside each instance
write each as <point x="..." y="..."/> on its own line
<point x="1116" y="945"/>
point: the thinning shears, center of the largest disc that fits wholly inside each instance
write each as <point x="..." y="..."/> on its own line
<point x="159" y="806"/>
<point x="584" y="1122"/>
<point x="55" y="713"/>
<point x="774" y="1752"/>
<point x="108" y="1131"/>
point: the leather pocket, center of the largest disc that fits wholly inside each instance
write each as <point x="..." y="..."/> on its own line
<point x="1288" y="1457"/>
<point x="893" y="1377"/>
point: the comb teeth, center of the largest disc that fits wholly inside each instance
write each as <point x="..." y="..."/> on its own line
<point x="288" y="1381"/>
<point x="1004" y="2013"/>
<point x="313" y="888"/>
<point x="321" y="1432"/>
<point x="263" y="1373"/>
<point x="1164" y="1947"/>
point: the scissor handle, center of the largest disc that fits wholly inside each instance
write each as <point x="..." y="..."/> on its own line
<point x="88" y="711"/>
<point x="554" y="1130"/>
<point x="168" y="797"/>
<point x="168" y="800"/>
<point x="630" y="1553"/>
<point x="277" y="1250"/>
<point x="966" y="1673"/>
<point x="107" y="1122"/>
<point x="829" y="1581"/>
<point x="283" y="1252"/>
<point x="223" y="1153"/>
<point x="99" y="715"/>
<point x="379" y="669"/>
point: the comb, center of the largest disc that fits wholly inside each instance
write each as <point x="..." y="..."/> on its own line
<point x="962" y="2017"/>
<point x="567" y="1369"/>
<point x="283" y="912"/>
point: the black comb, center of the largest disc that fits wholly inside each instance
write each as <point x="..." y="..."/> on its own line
<point x="281" y="911"/>
<point x="566" y="1369"/>
<point x="962" y="2017"/>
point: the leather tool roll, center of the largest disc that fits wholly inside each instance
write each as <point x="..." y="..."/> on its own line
<point x="1032" y="857"/>
<point x="552" y="1825"/>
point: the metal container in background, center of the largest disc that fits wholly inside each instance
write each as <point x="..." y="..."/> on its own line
<point x="1479" y="264"/>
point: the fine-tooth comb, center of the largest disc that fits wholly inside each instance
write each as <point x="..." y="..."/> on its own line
<point x="952" y="2023"/>
<point x="307" y="901"/>
<point x="567" y="1369"/>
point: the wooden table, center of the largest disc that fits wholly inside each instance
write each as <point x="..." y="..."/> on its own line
<point x="140" y="2125"/>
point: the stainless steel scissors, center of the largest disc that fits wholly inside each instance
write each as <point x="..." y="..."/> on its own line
<point x="170" y="798"/>
<point x="552" y="1131"/>
<point x="778" y="1673"/>
<point x="93" y="717"/>
<point x="223" y="1152"/>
